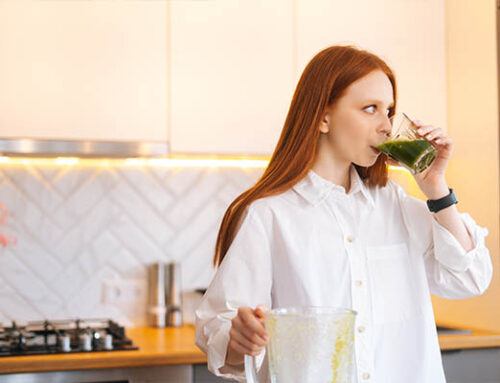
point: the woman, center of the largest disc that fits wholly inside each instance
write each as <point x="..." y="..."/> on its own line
<point x="325" y="227"/>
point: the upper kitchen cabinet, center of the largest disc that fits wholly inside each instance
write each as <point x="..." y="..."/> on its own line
<point x="232" y="75"/>
<point x="409" y="35"/>
<point x="83" y="70"/>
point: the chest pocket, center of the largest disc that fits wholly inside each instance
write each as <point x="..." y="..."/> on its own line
<point x="394" y="297"/>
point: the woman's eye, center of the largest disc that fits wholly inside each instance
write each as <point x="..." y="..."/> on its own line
<point x="370" y="109"/>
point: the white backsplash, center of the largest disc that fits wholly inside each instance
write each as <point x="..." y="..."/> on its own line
<point x="82" y="228"/>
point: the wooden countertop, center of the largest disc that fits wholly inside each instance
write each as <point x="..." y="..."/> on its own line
<point x="158" y="347"/>
<point x="476" y="339"/>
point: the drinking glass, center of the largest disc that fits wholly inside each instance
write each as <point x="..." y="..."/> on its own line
<point x="405" y="147"/>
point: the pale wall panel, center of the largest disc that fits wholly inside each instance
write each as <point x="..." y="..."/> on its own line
<point x="472" y="85"/>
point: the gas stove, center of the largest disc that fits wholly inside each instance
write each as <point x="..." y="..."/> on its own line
<point x="62" y="337"/>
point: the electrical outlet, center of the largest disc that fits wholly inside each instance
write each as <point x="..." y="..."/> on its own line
<point x="124" y="291"/>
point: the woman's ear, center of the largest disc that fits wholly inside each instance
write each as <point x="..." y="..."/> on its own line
<point x="324" y="126"/>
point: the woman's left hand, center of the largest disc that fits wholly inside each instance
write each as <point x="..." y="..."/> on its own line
<point x="432" y="180"/>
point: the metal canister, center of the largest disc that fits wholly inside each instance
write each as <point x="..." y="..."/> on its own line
<point x="173" y="295"/>
<point x="157" y="308"/>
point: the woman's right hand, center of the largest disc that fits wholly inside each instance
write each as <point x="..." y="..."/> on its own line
<point x="247" y="334"/>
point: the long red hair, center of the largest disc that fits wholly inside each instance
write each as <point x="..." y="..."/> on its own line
<point x="322" y="83"/>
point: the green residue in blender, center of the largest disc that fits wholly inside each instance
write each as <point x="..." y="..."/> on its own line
<point x="276" y="352"/>
<point x="342" y="350"/>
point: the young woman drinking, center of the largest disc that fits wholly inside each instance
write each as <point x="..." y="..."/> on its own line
<point x="324" y="226"/>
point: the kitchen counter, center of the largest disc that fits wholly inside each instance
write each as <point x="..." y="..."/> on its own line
<point x="157" y="347"/>
<point x="476" y="339"/>
<point x="173" y="346"/>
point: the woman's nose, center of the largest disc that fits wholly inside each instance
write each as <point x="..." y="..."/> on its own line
<point x="386" y="126"/>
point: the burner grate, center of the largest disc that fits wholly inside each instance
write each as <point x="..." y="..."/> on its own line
<point x="63" y="336"/>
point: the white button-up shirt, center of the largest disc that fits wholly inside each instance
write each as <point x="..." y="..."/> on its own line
<point x="375" y="250"/>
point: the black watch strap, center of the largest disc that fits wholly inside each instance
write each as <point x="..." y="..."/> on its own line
<point x="436" y="205"/>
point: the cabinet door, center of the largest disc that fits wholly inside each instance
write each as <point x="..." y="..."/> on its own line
<point x="472" y="365"/>
<point x="232" y="75"/>
<point x="83" y="69"/>
<point x="409" y="35"/>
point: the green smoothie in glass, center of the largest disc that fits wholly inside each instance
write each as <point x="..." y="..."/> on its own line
<point x="413" y="152"/>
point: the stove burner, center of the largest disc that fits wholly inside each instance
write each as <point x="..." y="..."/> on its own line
<point x="63" y="336"/>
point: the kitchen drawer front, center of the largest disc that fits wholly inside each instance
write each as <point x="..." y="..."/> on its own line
<point x="472" y="365"/>
<point x="159" y="374"/>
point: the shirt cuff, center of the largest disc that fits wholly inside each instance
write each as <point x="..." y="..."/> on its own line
<point x="449" y="252"/>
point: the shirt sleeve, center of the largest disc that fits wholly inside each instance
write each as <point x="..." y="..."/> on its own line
<point x="244" y="278"/>
<point x="451" y="271"/>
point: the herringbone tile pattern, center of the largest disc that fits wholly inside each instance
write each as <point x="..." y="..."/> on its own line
<point x="79" y="226"/>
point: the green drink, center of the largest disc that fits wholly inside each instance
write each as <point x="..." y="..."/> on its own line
<point x="404" y="146"/>
<point x="415" y="155"/>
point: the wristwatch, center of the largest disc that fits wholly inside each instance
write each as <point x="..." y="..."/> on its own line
<point x="436" y="205"/>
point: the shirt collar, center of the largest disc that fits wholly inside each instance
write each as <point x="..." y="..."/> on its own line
<point x="315" y="188"/>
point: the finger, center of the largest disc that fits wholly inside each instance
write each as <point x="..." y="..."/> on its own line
<point x="252" y="335"/>
<point x="260" y="310"/>
<point x="430" y="132"/>
<point x="245" y="342"/>
<point x="444" y="141"/>
<point x="417" y="123"/>
<point x="424" y="129"/>
<point x="433" y="134"/>
<point x="240" y="349"/>
<point x="252" y="324"/>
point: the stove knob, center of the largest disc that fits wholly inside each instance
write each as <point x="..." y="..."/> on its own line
<point x="108" y="342"/>
<point x="85" y="342"/>
<point x="21" y="342"/>
<point x="66" y="343"/>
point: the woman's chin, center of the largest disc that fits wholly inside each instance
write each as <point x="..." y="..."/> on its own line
<point x="366" y="163"/>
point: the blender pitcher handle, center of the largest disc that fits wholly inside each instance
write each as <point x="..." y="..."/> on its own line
<point x="251" y="369"/>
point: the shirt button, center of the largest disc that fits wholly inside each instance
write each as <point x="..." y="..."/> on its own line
<point x="366" y="376"/>
<point x="361" y="329"/>
<point x="350" y="239"/>
<point x="358" y="283"/>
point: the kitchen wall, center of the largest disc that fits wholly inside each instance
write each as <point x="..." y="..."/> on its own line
<point x="472" y="113"/>
<point x="84" y="229"/>
<point x="81" y="226"/>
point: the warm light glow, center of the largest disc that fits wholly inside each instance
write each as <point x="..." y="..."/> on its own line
<point x="135" y="162"/>
<point x="181" y="161"/>
<point x="406" y="180"/>
<point x="399" y="169"/>
<point x="66" y="161"/>
<point x="175" y="161"/>
<point x="193" y="162"/>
